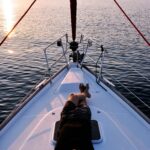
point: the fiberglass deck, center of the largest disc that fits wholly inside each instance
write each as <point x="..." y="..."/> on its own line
<point x="121" y="127"/>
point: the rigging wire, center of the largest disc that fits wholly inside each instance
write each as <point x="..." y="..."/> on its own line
<point x="125" y="87"/>
<point x="131" y="67"/>
<point x="4" y="39"/>
<point x="132" y="23"/>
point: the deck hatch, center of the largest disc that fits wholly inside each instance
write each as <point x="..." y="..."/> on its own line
<point x="96" y="135"/>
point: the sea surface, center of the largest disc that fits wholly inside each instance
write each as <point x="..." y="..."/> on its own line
<point x="22" y="62"/>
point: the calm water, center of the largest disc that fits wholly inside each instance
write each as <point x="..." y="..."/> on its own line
<point x="22" y="61"/>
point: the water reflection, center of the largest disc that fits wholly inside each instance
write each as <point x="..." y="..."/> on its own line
<point x="10" y="51"/>
<point x="7" y="7"/>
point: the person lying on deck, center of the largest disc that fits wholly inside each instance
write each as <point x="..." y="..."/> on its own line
<point x="75" y="123"/>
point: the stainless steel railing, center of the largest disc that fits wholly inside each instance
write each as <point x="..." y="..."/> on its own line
<point x="86" y="46"/>
<point x="64" y="52"/>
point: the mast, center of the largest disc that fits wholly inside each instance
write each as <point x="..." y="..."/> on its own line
<point x="73" y="44"/>
<point x="73" y="11"/>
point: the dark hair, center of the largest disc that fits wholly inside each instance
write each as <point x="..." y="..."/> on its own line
<point x="82" y="87"/>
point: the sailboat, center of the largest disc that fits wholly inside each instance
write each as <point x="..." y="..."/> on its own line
<point x="116" y="123"/>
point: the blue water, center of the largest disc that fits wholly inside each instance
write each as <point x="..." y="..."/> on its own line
<point x="22" y="61"/>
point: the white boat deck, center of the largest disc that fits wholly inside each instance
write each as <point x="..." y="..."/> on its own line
<point x="121" y="127"/>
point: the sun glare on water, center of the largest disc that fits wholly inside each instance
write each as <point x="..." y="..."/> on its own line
<point x="10" y="51"/>
<point x="7" y="7"/>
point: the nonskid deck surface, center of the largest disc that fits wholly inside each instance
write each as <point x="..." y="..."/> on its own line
<point x="32" y="127"/>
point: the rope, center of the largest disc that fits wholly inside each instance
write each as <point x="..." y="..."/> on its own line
<point x="132" y="23"/>
<point x="17" y="23"/>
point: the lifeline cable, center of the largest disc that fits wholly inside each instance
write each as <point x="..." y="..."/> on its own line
<point x="132" y="23"/>
<point x="17" y="23"/>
